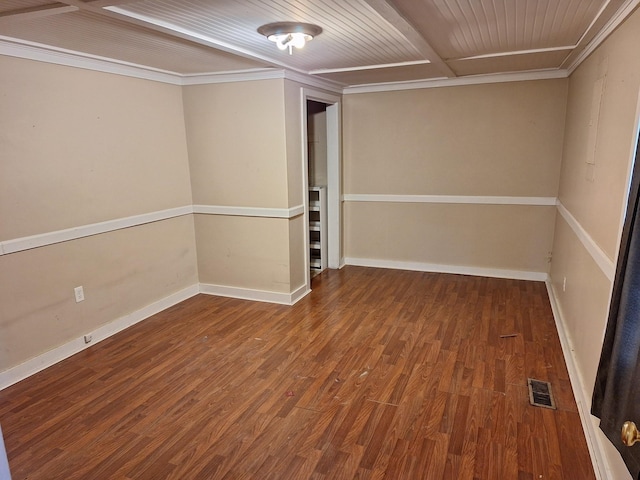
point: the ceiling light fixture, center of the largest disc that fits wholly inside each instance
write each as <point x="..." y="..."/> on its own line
<point x="287" y="35"/>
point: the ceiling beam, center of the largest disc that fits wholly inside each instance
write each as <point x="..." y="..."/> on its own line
<point x="109" y="3"/>
<point x="369" y="67"/>
<point x="388" y="11"/>
<point x="172" y="31"/>
<point x="612" y="14"/>
<point x="35" y="12"/>
<point x="100" y="7"/>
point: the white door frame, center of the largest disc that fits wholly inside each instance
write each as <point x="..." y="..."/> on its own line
<point x="334" y="177"/>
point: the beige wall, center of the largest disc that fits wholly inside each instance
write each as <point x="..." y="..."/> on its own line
<point x="297" y="252"/>
<point x="244" y="252"/>
<point x="318" y="149"/>
<point x="294" y="141"/>
<point x="596" y="201"/>
<point x="585" y="300"/>
<point x="295" y="179"/>
<point x="597" y="204"/>
<point x="498" y="139"/>
<point x="244" y="143"/>
<point x="501" y="237"/>
<point x="237" y="145"/>
<point x="81" y="147"/>
<point x="121" y="272"/>
<point x="482" y="140"/>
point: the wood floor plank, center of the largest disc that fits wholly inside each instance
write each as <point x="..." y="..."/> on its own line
<point x="375" y="374"/>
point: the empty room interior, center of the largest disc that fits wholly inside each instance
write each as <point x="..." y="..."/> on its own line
<point x="226" y="256"/>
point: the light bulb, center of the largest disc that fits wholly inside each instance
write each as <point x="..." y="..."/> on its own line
<point x="287" y="35"/>
<point x="298" y="40"/>
<point x="281" y="40"/>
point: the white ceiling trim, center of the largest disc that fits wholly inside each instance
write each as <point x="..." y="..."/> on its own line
<point x="107" y="3"/>
<point x="33" y="51"/>
<point x="44" y="53"/>
<point x="274" y="68"/>
<point x="13" y="47"/>
<point x="260" y="74"/>
<point x="196" y="37"/>
<point x="227" y="77"/>
<point x="593" y="21"/>
<point x="314" y="81"/>
<point x="620" y="16"/>
<point x="387" y="11"/>
<point x="368" y="67"/>
<point x="35" y="12"/>
<point x="517" y="52"/>
<point x="458" y="81"/>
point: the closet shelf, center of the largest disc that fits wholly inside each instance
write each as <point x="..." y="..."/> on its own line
<point x="318" y="228"/>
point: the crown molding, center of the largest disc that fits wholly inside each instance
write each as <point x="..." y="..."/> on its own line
<point x="261" y="74"/>
<point x="230" y="77"/>
<point x="19" y="48"/>
<point x="311" y="81"/>
<point x="620" y="16"/>
<point x="44" y="53"/>
<point x="13" y="47"/>
<point x="458" y="81"/>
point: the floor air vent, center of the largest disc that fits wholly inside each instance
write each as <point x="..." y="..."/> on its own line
<point x="540" y="394"/>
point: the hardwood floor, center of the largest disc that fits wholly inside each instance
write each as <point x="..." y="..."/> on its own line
<point x="376" y="374"/>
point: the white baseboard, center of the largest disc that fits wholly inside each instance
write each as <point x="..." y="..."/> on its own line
<point x="456" y="269"/>
<point x="255" y="295"/>
<point x="34" y="365"/>
<point x="600" y="462"/>
<point x="47" y="359"/>
<point x="299" y="293"/>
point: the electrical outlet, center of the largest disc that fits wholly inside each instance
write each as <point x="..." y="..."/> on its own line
<point x="79" y="293"/>
<point x="88" y="338"/>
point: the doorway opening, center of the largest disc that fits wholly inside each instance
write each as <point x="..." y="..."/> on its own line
<point x="322" y="182"/>
<point x="317" y="183"/>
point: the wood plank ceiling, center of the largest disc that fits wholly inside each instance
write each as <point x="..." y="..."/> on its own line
<point x="363" y="41"/>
